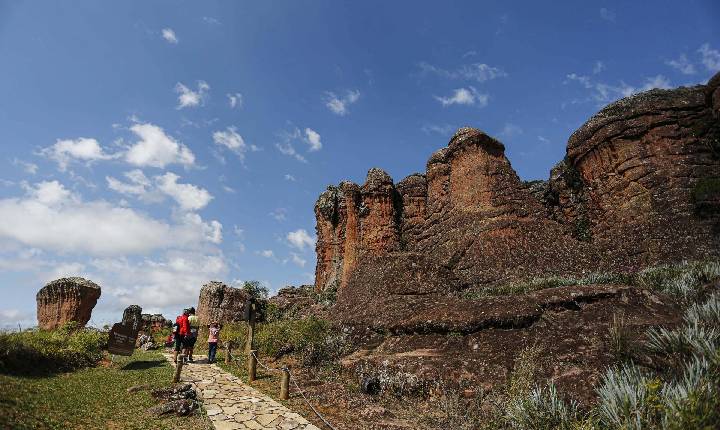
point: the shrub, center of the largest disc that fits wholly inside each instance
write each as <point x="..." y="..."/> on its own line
<point x="628" y="398"/>
<point x="311" y="338"/>
<point x="42" y="351"/>
<point x="542" y="409"/>
<point x="683" y="281"/>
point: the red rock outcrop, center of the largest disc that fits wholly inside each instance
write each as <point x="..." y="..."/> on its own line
<point x="638" y="187"/>
<point x="64" y="300"/>
<point x="219" y="302"/>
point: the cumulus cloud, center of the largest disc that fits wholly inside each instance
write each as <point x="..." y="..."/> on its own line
<point x="190" y="98"/>
<point x="138" y="184"/>
<point x="235" y="100"/>
<point x="30" y="168"/>
<point x="300" y="239"/>
<point x="297" y="260"/>
<point x="81" y="149"/>
<point x="289" y="177"/>
<point x="479" y="72"/>
<point x="169" y="35"/>
<point x="267" y="253"/>
<point x="279" y="214"/>
<point x="231" y="140"/>
<point x="312" y="137"/>
<point x="339" y="104"/>
<point x="464" y="96"/>
<point x="50" y="217"/>
<point x="710" y="57"/>
<point x="188" y="196"/>
<point x="157" y="149"/>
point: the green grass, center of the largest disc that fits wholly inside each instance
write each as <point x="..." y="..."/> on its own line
<point x="91" y="398"/>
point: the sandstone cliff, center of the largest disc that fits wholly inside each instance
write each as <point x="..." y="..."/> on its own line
<point x="640" y="185"/>
<point x="219" y="302"/>
<point x="64" y="300"/>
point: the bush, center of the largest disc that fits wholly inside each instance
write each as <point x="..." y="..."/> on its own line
<point x="311" y="338"/>
<point x="542" y="409"/>
<point x="683" y="281"/>
<point x="43" y="351"/>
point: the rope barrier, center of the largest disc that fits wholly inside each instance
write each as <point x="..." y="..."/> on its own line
<point x="294" y="381"/>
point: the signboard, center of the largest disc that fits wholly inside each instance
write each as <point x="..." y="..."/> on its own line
<point x="121" y="340"/>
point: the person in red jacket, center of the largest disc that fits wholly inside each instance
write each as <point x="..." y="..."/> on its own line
<point x="181" y="329"/>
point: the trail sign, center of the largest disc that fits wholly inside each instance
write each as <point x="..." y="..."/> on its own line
<point x="121" y="340"/>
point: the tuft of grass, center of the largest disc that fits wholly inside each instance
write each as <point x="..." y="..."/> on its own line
<point x="542" y="409"/>
<point x="620" y="340"/>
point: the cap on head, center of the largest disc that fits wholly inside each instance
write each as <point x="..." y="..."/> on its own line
<point x="192" y="310"/>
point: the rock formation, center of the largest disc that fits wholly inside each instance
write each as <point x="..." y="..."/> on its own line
<point x="640" y="185"/>
<point x="154" y="323"/>
<point x="132" y="317"/>
<point x="219" y="302"/>
<point x="64" y="300"/>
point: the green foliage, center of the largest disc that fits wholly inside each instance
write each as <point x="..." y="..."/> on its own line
<point x="92" y="398"/>
<point x="255" y="289"/>
<point x="619" y="339"/>
<point x="525" y="371"/>
<point x="42" y="351"/>
<point x="311" y="338"/>
<point x="682" y="281"/>
<point x="542" y="408"/>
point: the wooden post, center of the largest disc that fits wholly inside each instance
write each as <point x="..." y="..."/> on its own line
<point x="250" y="336"/>
<point x="227" y="352"/>
<point x="178" y="369"/>
<point x="252" y="365"/>
<point x="285" y="384"/>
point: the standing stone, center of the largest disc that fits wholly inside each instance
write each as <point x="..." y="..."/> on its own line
<point x="219" y="302"/>
<point x="64" y="300"/>
<point x="132" y="317"/>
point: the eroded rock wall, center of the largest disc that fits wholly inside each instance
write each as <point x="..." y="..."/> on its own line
<point x="64" y="300"/>
<point x="640" y="185"/>
<point x="219" y="302"/>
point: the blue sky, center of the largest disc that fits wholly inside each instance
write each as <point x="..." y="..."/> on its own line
<point x="153" y="146"/>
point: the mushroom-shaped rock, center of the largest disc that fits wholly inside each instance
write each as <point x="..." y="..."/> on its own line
<point x="64" y="300"/>
<point x="133" y="317"/>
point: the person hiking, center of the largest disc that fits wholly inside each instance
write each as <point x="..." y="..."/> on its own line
<point x="191" y="338"/>
<point x="181" y="328"/>
<point x="213" y="338"/>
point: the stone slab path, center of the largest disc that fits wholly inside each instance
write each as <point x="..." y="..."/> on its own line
<point x="230" y="404"/>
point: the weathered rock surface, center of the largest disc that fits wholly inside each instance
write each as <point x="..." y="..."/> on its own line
<point x="132" y="317"/>
<point x="640" y="186"/>
<point x="64" y="300"/>
<point x="219" y="302"/>
<point x="297" y="302"/>
<point x="154" y="323"/>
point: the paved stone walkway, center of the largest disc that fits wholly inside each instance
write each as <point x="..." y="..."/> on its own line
<point x="230" y="404"/>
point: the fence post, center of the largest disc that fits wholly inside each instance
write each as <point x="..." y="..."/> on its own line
<point x="227" y="352"/>
<point x="285" y="384"/>
<point x="250" y="335"/>
<point x="178" y="369"/>
<point x="252" y="365"/>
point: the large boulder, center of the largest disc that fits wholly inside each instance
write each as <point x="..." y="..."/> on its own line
<point x="132" y="317"/>
<point x="219" y="302"/>
<point x="64" y="300"/>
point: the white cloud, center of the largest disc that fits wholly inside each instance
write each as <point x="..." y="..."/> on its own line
<point x="267" y="253"/>
<point x="287" y="148"/>
<point x="607" y="14"/>
<point x="464" y="96"/>
<point x="604" y="92"/>
<point x="280" y="214"/>
<point x="188" y="196"/>
<point x="190" y="98"/>
<point x="312" y="137"/>
<point x="289" y="177"/>
<point x="231" y="140"/>
<point x="82" y="149"/>
<point x="50" y="217"/>
<point x="682" y="65"/>
<point x="235" y="100"/>
<point x="543" y="140"/>
<point x="339" y="104"/>
<point x="300" y="239"/>
<point x="299" y="261"/>
<point x="710" y="57"/>
<point x="210" y="20"/>
<point x="445" y="129"/>
<point x="157" y="149"/>
<point x="479" y="72"/>
<point x="138" y="184"/>
<point x="30" y="168"/>
<point x="169" y="35"/>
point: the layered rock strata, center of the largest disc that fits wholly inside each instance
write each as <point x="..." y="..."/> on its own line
<point x="64" y="300"/>
<point x="640" y="186"/>
<point x="219" y="302"/>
